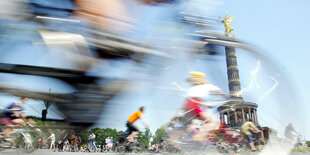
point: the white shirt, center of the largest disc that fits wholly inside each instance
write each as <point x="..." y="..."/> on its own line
<point x="92" y="136"/>
<point x="202" y="91"/>
<point x="52" y="137"/>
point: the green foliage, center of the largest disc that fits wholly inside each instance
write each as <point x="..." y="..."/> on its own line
<point x="101" y="135"/>
<point x="159" y="135"/>
<point x="308" y="143"/>
<point x="144" y="138"/>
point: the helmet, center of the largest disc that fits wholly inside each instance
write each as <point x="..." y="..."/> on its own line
<point x="197" y="78"/>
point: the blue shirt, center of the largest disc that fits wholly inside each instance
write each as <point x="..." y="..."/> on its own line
<point x="8" y="112"/>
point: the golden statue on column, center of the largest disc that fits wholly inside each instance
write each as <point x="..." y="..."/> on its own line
<point x="226" y="22"/>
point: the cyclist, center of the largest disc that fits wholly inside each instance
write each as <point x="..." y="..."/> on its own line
<point x="291" y="133"/>
<point x="132" y="130"/>
<point x="247" y="128"/>
<point x="196" y="97"/>
<point x="13" y="116"/>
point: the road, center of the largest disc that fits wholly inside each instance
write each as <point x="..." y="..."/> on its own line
<point x="46" y="152"/>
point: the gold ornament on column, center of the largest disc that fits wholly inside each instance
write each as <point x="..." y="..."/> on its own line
<point x="226" y="22"/>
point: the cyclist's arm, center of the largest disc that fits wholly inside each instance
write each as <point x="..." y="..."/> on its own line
<point x="255" y="129"/>
<point x="18" y="114"/>
<point x="206" y="105"/>
<point x="296" y="132"/>
<point x="218" y="92"/>
<point x="144" y="122"/>
<point x="214" y="103"/>
<point x="22" y="115"/>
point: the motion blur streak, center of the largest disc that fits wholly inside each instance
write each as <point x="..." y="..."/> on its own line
<point x="93" y="62"/>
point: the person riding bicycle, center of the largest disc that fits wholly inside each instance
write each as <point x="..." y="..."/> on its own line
<point x="13" y="116"/>
<point x="132" y="130"/>
<point x="198" y="96"/>
<point x="248" y="128"/>
<point x="291" y="133"/>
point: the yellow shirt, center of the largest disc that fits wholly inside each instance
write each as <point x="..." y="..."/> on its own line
<point x="132" y="118"/>
<point x="245" y="128"/>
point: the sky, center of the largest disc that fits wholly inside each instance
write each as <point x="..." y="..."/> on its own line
<point x="277" y="30"/>
<point x="280" y="30"/>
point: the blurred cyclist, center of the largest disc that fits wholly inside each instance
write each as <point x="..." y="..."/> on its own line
<point x="291" y="133"/>
<point x="197" y="96"/>
<point x="13" y="116"/>
<point x="132" y="130"/>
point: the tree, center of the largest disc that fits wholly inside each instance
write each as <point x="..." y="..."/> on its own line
<point x="308" y="143"/>
<point x="101" y="135"/>
<point x="159" y="135"/>
<point x="144" y="138"/>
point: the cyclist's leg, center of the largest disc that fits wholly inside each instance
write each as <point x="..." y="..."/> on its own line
<point x="251" y="142"/>
<point x="8" y="130"/>
<point x="211" y="123"/>
<point x="10" y="123"/>
<point x="133" y="132"/>
<point x="132" y="136"/>
<point x="19" y="121"/>
<point x="259" y="139"/>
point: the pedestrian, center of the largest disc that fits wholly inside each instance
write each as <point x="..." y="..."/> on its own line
<point x="92" y="145"/>
<point x="107" y="141"/>
<point x="79" y="141"/>
<point x="116" y="147"/>
<point x="66" y="145"/>
<point x="53" y="138"/>
<point x="111" y="143"/>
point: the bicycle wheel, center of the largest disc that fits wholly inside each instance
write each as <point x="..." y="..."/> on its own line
<point x="26" y="141"/>
<point x="3" y="146"/>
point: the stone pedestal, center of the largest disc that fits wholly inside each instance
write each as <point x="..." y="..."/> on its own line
<point x="235" y="113"/>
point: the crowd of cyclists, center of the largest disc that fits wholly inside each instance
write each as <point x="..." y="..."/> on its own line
<point x="197" y="96"/>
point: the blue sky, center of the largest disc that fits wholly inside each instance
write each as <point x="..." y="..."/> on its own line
<point x="279" y="30"/>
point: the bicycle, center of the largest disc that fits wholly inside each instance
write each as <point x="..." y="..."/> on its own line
<point x="257" y="138"/>
<point x="184" y="126"/>
<point x="180" y="132"/>
<point x="24" y="139"/>
<point x="125" y="146"/>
